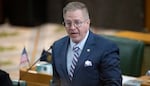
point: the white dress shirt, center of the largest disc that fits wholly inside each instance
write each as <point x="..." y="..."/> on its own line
<point x="70" y="50"/>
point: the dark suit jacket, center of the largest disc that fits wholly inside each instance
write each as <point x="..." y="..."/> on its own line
<point x="5" y="79"/>
<point x="105" y="69"/>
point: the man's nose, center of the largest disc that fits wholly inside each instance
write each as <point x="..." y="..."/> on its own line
<point x="72" y="26"/>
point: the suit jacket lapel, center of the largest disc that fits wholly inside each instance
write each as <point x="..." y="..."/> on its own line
<point x="88" y="48"/>
<point x="63" y="59"/>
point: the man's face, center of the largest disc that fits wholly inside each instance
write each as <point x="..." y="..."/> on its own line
<point x="76" y="25"/>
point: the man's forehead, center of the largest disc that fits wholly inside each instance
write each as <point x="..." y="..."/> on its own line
<point x="74" y="14"/>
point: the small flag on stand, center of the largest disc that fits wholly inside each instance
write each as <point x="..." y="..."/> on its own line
<point x="24" y="61"/>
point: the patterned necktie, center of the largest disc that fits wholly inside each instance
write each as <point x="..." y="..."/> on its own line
<point x="74" y="61"/>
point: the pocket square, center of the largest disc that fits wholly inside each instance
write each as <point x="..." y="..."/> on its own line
<point x="88" y="63"/>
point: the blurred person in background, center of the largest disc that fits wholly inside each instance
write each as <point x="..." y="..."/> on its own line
<point x="5" y="79"/>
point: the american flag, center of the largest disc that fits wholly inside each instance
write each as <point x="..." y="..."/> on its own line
<point x="24" y="61"/>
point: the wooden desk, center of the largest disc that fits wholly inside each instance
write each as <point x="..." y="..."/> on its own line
<point x="35" y="79"/>
<point x="145" y="37"/>
<point x="145" y="80"/>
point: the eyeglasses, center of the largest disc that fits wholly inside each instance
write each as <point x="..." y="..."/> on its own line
<point x="76" y="23"/>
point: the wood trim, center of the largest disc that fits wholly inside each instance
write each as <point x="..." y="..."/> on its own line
<point x="147" y="15"/>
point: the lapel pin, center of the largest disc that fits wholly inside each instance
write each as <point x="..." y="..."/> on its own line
<point x="88" y="50"/>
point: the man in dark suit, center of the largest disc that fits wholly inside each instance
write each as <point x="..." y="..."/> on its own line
<point x="93" y="62"/>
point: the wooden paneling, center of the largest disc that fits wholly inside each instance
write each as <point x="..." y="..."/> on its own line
<point x="147" y="14"/>
<point x="145" y="37"/>
<point x="1" y="12"/>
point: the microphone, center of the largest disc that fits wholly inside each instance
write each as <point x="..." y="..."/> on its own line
<point x="45" y="53"/>
<point x="48" y="51"/>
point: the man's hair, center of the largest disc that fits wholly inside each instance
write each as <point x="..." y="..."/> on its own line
<point x="72" y="6"/>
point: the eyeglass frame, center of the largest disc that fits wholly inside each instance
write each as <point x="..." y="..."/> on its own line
<point x="74" y="23"/>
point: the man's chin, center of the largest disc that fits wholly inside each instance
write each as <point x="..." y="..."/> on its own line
<point x="75" y="39"/>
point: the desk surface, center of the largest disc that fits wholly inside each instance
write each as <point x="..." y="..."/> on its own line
<point x="145" y="80"/>
<point x="145" y="37"/>
<point x="35" y="79"/>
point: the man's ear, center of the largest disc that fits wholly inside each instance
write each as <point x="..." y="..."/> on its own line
<point x="88" y="21"/>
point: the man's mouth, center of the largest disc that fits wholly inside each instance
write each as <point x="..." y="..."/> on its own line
<point x="73" y="34"/>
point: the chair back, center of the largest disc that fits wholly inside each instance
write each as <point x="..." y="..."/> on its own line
<point x="131" y="54"/>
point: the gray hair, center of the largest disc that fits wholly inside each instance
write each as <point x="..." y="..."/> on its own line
<point x="72" y="6"/>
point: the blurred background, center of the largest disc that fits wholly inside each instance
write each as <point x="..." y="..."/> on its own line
<point x="116" y="14"/>
<point x="36" y="24"/>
